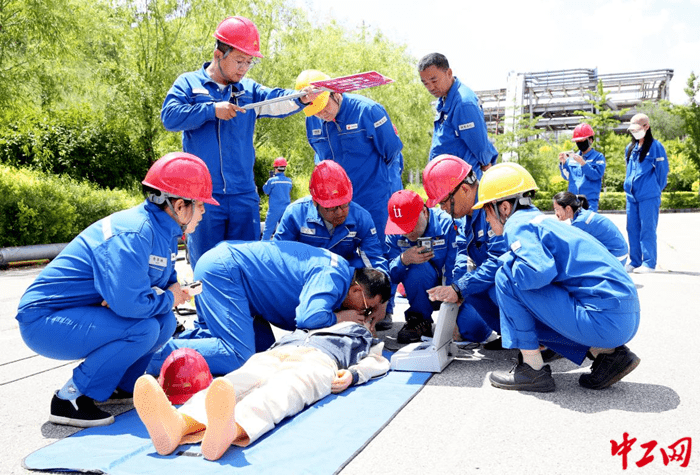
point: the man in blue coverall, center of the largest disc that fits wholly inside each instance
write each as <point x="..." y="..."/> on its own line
<point x="278" y="188"/>
<point x="645" y="179"/>
<point x="287" y="284"/>
<point x="583" y="170"/>
<point x="207" y="107"/>
<point x="107" y="298"/>
<point x="450" y="182"/>
<point x="556" y="285"/>
<point x="421" y="252"/>
<point x="459" y="129"/>
<point x="357" y="133"/>
<point x="330" y="220"/>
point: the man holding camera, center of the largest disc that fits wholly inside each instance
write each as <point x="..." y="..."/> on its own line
<point x="583" y="170"/>
<point x="421" y="251"/>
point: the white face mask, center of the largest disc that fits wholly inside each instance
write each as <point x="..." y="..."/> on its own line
<point x="639" y="134"/>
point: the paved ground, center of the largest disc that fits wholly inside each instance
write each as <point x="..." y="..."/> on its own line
<point x="458" y="423"/>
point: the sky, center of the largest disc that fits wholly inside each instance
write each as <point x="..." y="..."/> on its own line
<point x="485" y="40"/>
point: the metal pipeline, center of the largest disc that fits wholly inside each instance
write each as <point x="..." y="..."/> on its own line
<point x="29" y="253"/>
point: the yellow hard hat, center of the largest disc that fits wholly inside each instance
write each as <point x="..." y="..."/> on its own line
<point x="503" y="181"/>
<point x="304" y="79"/>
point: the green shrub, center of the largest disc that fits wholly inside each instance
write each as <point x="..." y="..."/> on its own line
<point x="81" y="147"/>
<point x="37" y="208"/>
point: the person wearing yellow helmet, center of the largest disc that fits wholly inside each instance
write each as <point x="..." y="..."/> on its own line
<point x="557" y="286"/>
<point x="357" y="133"/>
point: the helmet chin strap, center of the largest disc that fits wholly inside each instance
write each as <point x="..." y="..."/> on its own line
<point x="182" y="226"/>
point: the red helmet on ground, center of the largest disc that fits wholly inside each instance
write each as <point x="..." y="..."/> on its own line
<point x="582" y="132"/>
<point x="181" y="175"/>
<point x="405" y="207"/>
<point x="279" y="162"/>
<point x="240" y="33"/>
<point x="183" y="374"/>
<point x="330" y="185"/>
<point x="442" y="175"/>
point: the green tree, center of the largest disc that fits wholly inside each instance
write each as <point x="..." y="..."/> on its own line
<point x="691" y="117"/>
<point x="603" y="119"/>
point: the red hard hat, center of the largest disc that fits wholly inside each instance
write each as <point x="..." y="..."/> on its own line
<point x="442" y="175"/>
<point x="405" y="207"/>
<point x="184" y="373"/>
<point x="240" y="33"/>
<point x="582" y="132"/>
<point x="330" y="185"/>
<point x="183" y="175"/>
<point x="279" y="162"/>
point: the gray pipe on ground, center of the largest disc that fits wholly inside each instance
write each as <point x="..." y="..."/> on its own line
<point x="29" y="253"/>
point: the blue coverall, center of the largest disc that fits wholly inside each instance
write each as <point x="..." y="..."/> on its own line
<point x="479" y="314"/>
<point x="355" y="240"/>
<point x="644" y="183"/>
<point x="289" y="284"/>
<point x="418" y="278"/>
<point x="363" y="141"/>
<point x="226" y="146"/>
<point x="585" y="179"/>
<point x="559" y="287"/>
<point x="604" y="231"/>
<point x="126" y="259"/>
<point x="278" y="188"/>
<point x="460" y="129"/>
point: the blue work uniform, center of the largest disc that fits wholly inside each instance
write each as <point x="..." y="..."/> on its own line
<point x="559" y="287"/>
<point x="479" y="314"/>
<point x="604" y="231"/>
<point x="355" y="240"/>
<point x="289" y="284"/>
<point x="126" y="259"/>
<point x="585" y="179"/>
<point x="418" y="278"/>
<point x="460" y="129"/>
<point x="279" y="189"/>
<point x="644" y="183"/>
<point x="363" y="141"/>
<point x="226" y="146"/>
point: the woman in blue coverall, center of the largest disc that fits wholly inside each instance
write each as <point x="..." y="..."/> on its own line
<point x="647" y="172"/>
<point x="107" y="298"/>
<point x="583" y="170"/>
<point x="568" y="206"/>
<point x="556" y="284"/>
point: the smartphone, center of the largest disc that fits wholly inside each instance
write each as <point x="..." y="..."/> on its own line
<point x="272" y="173"/>
<point x="426" y="243"/>
<point x="195" y="288"/>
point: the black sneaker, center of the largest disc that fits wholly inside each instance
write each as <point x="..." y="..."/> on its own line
<point x="385" y="324"/>
<point x="606" y="370"/>
<point x="119" y="396"/>
<point x="415" y="327"/>
<point x="80" y="412"/>
<point x="523" y="378"/>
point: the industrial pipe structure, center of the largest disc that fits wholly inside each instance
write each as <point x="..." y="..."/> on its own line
<point x="29" y="253"/>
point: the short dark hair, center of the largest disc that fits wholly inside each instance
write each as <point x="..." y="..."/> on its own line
<point x="567" y="198"/>
<point x="374" y="281"/>
<point x="433" y="59"/>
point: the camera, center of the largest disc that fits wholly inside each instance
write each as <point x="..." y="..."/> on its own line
<point x="272" y="173"/>
<point x="426" y="243"/>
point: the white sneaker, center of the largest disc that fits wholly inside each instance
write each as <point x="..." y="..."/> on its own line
<point x="629" y="268"/>
<point x="644" y="270"/>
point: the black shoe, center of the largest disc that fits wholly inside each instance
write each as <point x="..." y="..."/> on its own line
<point x="523" y="378"/>
<point x="549" y="355"/>
<point x="385" y="324"/>
<point x="494" y="345"/>
<point x="80" y="412"/>
<point x="606" y="370"/>
<point x="119" y="396"/>
<point x="415" y="327"/>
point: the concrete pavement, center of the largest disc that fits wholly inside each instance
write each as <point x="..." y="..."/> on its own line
<point x="459" y="423"/>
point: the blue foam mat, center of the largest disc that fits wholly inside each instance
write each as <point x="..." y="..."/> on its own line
<point x="319" y="440"/>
